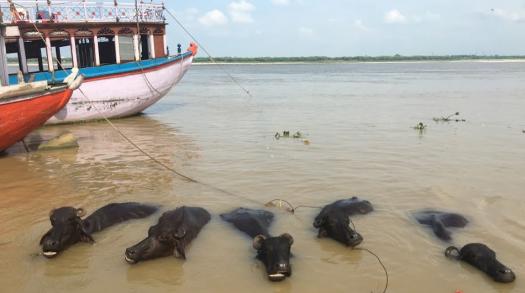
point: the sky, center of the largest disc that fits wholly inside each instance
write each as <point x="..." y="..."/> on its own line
<point x="248" y="28"/>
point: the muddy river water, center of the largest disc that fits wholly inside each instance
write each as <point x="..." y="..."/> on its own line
<point x="359" y="121"/>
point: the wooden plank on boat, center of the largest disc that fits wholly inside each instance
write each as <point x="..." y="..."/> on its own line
<point x="22" y="89"/>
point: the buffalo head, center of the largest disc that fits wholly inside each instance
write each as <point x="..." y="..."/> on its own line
<point x="67" y="229"/>
<point x="274" y="252"/>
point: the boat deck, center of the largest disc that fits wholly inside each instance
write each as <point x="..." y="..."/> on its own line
<point x="111" y="69"/>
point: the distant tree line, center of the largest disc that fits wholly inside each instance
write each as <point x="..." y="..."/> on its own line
<point x="324" y="59"/>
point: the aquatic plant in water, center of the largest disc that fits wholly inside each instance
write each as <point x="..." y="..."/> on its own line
<point x="420" y="126"/>
<point x="449" y="118"/>
<point x="286" y="134"/>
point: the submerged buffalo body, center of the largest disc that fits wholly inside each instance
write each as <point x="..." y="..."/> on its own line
<point x="482" y="257"/>
<point x="440" y="221"/>
<point x="68" y="227"/>
<point x="333" y="220"/>
<point x="174" y="231"/>
<point x="273" y="252"/>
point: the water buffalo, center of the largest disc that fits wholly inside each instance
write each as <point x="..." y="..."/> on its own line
<point x="69" y="227"/>
<point x="273" y="252"/>
<point x="440" y="221"/>
<point x="482" y="257"/>
<point x="333" y="220"/>
<point x="174" y="231"/>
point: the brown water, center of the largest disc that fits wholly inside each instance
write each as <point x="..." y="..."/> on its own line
<point x="359" y="121"/>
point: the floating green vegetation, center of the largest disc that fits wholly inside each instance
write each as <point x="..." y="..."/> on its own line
<point x="420" y="126"/>
<point x="449" y="118"/>
<point x="296" y="135"/>
<point x="286" y="134"/>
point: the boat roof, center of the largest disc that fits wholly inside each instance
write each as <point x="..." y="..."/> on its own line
<point x="80" y="12"/>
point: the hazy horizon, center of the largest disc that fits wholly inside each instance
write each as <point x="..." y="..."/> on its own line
<point x="334" y="28"/>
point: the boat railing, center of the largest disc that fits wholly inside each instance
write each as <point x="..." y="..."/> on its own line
<point x="78" y="11"/>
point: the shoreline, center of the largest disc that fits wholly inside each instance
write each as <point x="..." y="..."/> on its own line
<point x="365" y="62"/>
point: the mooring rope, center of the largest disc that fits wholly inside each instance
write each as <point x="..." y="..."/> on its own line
<point x="188" y="178"/>
<point x="209" y="54"/>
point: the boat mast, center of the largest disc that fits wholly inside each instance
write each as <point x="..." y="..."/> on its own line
<point x="4" y="73"/>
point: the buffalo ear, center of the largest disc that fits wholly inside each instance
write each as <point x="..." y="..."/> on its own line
<point x="179" y="252"/>
<point x="81" y="212"/>
<point x="319" y="221"/>
<point x="288" y="237"/>
<point x="453" y="253"/>
<point x="258" y="241"/>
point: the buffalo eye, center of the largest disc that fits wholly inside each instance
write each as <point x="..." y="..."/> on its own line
<point x="163" y="237"/>
<point x="181" y="232"/>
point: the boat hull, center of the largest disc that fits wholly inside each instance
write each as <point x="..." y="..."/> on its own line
<point x="122" y="94"/>
<point x="20" y="116"/>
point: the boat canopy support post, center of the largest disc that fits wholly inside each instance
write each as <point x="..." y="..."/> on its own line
<point x="151" y="44"/>
<point x="136" y="47"/>
<point x="117" y="50"/>
<point x="59" y="58"/>
<point x="97" y="53"/>
<point x="22" y="57"/>
<point x="165" y="40"/>
<point x="73" y="43"/>
<point x="40" y="60"/>
<point x="4" y="73"/>
<point x="50" y="67"/>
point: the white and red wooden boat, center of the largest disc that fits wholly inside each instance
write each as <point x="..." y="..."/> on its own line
<point x="25" y="107"/>
<point x="119" y="47"/>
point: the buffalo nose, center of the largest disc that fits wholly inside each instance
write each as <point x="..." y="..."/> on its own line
<point x="51" y="243"/>
<point x="282" y="267"/>
<point x="131" y="252"/>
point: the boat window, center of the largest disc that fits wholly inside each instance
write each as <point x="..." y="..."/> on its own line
<point x="106" y="49"/>
<point x="13" y="61"/>
<point x="127" y="51"/>
<point x="61" y="51"/>
<point x="35" y="55"/>
<point x="85" y="52"/>
<point x="144" y="47"/>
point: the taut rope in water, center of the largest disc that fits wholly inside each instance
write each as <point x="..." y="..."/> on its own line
<point x="291" y="208"/>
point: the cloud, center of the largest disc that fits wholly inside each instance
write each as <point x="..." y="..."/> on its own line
<point x="395" y="16"/>
<point x="213" y="18"/>
<point x="427" y="17"/>
<point x="189" y="14"/>
<point x="241" y="11"/>
<point x="514" y="16"/>
<point x="358" y="23"/>
<point x="306" y="31"/>
<point x="281" y="2"/>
